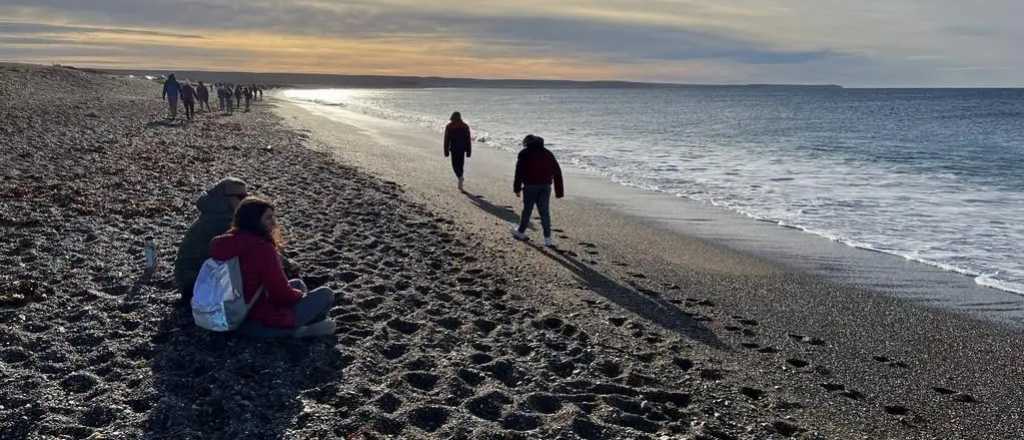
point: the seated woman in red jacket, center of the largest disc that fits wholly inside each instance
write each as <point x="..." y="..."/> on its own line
<point x="285" y="308"/>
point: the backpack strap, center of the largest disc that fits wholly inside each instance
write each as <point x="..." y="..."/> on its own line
<point x="235" y="271"/>
<point x="256" y="297"/>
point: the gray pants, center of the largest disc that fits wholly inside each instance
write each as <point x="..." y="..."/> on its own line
<point x="313" y="307"/>
<point x="539" y="195"/>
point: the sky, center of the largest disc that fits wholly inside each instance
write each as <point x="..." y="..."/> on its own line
<point x="864" y="43"/>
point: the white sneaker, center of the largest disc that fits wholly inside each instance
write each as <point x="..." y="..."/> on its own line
<point x="548" y="242"/>
<point x="518" y="235"/>
<point x="322" y="328"/>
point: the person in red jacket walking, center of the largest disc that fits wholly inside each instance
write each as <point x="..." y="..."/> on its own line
<point x="286" y="308"/>
<point x="536" y="170"/>
<point x="458" y="143"/>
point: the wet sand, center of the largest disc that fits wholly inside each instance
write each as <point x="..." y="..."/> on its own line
<point x="446" y="327"/>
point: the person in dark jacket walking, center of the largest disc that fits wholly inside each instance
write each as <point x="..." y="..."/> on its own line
<point x="203" y="95"/>
<point x="228" y="98"/>
<point x="536" y="170"/>
<point x="171" y="91"/>
<point x="188" y="100"/>
<point x="458" y="143"/>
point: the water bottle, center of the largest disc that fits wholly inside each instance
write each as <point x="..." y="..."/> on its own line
<point x="150" y="251"/>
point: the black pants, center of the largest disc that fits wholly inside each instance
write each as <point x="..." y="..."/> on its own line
<point x="458" y="162"/>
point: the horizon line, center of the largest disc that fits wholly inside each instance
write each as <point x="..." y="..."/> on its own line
<point x="634" y="83"/>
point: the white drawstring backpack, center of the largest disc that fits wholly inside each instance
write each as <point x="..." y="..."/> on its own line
<point x="218" y="302"/>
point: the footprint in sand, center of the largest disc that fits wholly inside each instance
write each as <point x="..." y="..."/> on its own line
<point x="471" y="377"/>
<point x="488" y="406"/>
<point x="480" y="358"/>
<point x="387" y="426"/>
<point x="892" y="363"/>
<point x="421" y="380"/>
<point x="957" y="397"/>
<point x="388" y="403"/>
<point x="896" y="410"/>
<point x="485" y="326"/>
<point x="608" y="368"/>
<point x="711" y="374"/>
<point x="449" y="322"/>
<point x="543" y="403"/>
<point x="562" y="368"/>
<point x="429" y="418"/>
<point x="797" y="363"/>
<point x="403" y="326"/>
<point x="806" y="339"/>
<point x="394" y="351"/>
<point x="517" y="421"/>
<point x="752" y="393"/>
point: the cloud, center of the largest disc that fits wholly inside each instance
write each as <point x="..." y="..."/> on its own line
<point x="625" y="39"/>
<point x="13" y="27"/>
<point x="897" y="42"/>
<point x="622" y="42"/>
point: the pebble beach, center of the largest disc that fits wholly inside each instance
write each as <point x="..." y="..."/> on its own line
<point x="446" y="327"/>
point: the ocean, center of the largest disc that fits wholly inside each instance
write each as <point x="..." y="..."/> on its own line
<point x="931" y="175"/>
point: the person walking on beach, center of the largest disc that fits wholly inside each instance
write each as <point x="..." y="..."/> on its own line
<point x="216" y="210"/>
<point x="248" y="97"/>
<point x="229" y="99"/>
<point x="286" y="308"/>
<point x="238" y="96"/>
<point x="171" y="91"/>
<point x="536" y="170"/>
<point x="458" y="143"/>
<point x="188" y="99"/>
<point x="203" y="95"/>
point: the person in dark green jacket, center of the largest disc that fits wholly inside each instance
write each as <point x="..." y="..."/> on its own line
<point x="216" y="210"/>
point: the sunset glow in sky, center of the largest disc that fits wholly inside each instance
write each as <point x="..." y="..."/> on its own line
<point x="854" y="43"/>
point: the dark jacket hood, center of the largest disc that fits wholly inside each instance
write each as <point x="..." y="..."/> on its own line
<point x="215" y="201"/>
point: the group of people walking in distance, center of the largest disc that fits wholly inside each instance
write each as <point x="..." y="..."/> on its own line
<point x="229" y="96"/>
<point x="233" y="224"/>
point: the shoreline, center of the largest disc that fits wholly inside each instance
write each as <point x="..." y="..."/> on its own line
<point x="790" y="247"/>
<point x="447" y="328"/>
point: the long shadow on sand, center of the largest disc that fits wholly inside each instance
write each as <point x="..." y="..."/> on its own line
<point x="223" y="386"/>
<point x="508" y="215"/>
<point x="655" y="309"/>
